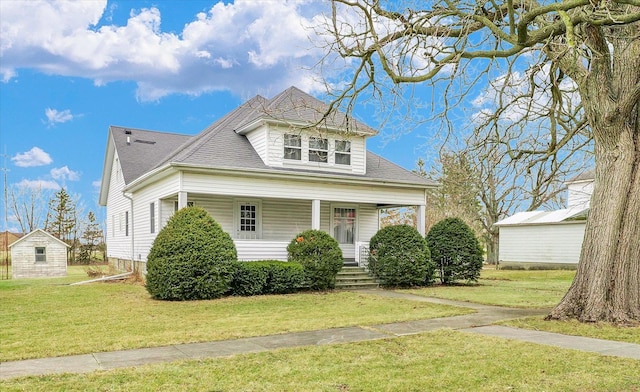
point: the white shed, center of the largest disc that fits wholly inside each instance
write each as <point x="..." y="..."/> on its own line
<point x="38" y="254"/>
<point x="548" y="238"/>
<point x="551" y="238"/>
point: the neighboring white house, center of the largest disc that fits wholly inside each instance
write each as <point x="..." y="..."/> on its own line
<point x="38" y="254"/>
<point x="266" y="171"/>
<point x="552" y="238"/>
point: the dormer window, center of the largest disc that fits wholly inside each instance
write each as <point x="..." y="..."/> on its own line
<point x="343" y="152"/>
<point x="292" y="147"/>
<point x="318" y="149"/>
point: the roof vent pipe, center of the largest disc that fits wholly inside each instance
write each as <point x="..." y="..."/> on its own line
<point x="128" y="139"/>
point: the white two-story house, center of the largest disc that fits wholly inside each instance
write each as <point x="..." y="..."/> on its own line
<point x="266" y="171"/>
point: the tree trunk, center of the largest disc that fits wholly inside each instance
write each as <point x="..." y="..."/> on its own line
<point x="607" y="282"/>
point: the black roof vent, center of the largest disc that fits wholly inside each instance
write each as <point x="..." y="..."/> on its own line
<point x="127" y="132"/>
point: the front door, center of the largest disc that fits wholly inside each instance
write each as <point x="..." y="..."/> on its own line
<point x="344" y="224"/>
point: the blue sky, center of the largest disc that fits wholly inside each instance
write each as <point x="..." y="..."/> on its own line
<point x="69" y="70"/>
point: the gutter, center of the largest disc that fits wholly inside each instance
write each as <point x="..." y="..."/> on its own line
<point x="247" y="172"/>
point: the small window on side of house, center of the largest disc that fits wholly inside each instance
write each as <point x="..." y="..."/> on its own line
<point x="41" y="254"/>
<point x="126" y="223"/>
<point x="343" y="152"/>
<point x="318" y="149"/>
<point x="292" y="147"/>
<point x="152" y="217"/>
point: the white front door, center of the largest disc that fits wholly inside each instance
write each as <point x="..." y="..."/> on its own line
<point x="344" y="225"/>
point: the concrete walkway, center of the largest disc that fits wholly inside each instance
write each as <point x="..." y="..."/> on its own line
<point x="478" y="322"/>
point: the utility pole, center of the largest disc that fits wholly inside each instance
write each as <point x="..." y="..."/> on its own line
<point x="5" y="274"/>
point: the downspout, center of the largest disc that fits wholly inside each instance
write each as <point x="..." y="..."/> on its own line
<point x="133" y="258"/>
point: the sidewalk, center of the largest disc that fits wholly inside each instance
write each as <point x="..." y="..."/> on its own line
<point x="478" y="322"/>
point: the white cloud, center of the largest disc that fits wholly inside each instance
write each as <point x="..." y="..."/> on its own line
<point x="56" y="117"/>
<point x="96" y="184"/>
<point x="64" y="173"/>
<point x="39" y="184"/>
<point x="246" y="47"/>
<point x="34" y="157"/>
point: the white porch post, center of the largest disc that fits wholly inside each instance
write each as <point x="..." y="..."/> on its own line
<point x="182" y="199"/>
<point x="420" y="219"/>
<point x="315" y="214"/>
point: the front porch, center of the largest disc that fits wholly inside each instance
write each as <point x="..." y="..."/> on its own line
<point x="263" y="227"/>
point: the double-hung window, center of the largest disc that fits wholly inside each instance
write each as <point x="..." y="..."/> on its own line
<point x="343" y="152"/>
<point x="292" y="147"/>
<point x="41" y="254"/>
<point x="318" y="149"/>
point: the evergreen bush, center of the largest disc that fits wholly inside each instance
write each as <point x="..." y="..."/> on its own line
<point x="455" y="251"/>
<point x="320" y="256"/>
<point x="267" y="277"/>
<point x="191" y="258"/>
<point x="399" y="257"/>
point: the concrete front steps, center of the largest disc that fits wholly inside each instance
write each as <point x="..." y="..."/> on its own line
<point x="352" y="278"/>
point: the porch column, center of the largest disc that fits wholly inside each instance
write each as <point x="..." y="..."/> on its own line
<point x="420" y="219"/>
<point x="315" y="214"/>
<point x="182" y="199"/>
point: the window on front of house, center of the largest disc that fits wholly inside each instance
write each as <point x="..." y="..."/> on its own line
<point x="248" y="220"/>
<point x="292" y="147"/>
<point x="318" y="149"/>
<point x="126" y="223"/>
<point x="41" y="254"/>
<point x="343" y="152"/>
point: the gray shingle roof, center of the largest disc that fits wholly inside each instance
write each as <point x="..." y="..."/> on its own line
<point x="145" y="149"/>
<point x="219" y="146"/>
<point x="294" y="105"/>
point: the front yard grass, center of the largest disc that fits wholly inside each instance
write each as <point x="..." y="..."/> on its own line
<point x="442" y="360"/>
<point x="46" y="317"/>
<point x="520" y="289"/>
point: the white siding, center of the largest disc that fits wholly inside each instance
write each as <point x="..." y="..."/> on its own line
<point x="23" y="257"/>
<point x="118" y="244"/>
<point x="155" y="193"/>
<point x="258" y="139"/>
<point x="579" y="193"/>
<point x="260" y="187"/>
<point x="276" y="151"/>
<point x="249" y="250"/>
<point x="560" y="243"/>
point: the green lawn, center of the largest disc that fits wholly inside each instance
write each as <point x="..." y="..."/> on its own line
<point x="522" y="289"/>
<point x="46" y="317"/>
<point x="442" y="360"/>
<point x="530" y="289"/>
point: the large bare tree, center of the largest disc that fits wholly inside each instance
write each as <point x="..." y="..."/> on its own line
<point x="28" y="207"/>
<point x="590" y="46"/>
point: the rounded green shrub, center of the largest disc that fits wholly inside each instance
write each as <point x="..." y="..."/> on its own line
<point x="399" y="257"/>
<point x="455" y="250"/>
<point x="191" y="258"/>
<point x="320" y="256"/>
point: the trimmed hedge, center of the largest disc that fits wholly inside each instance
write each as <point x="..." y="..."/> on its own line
<point x="320" y="255"/>
<point x="399" y="257"/>
<point x="191" y="258"/>
<point x="455" y="251"/>
<point x="267" y="277"/>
